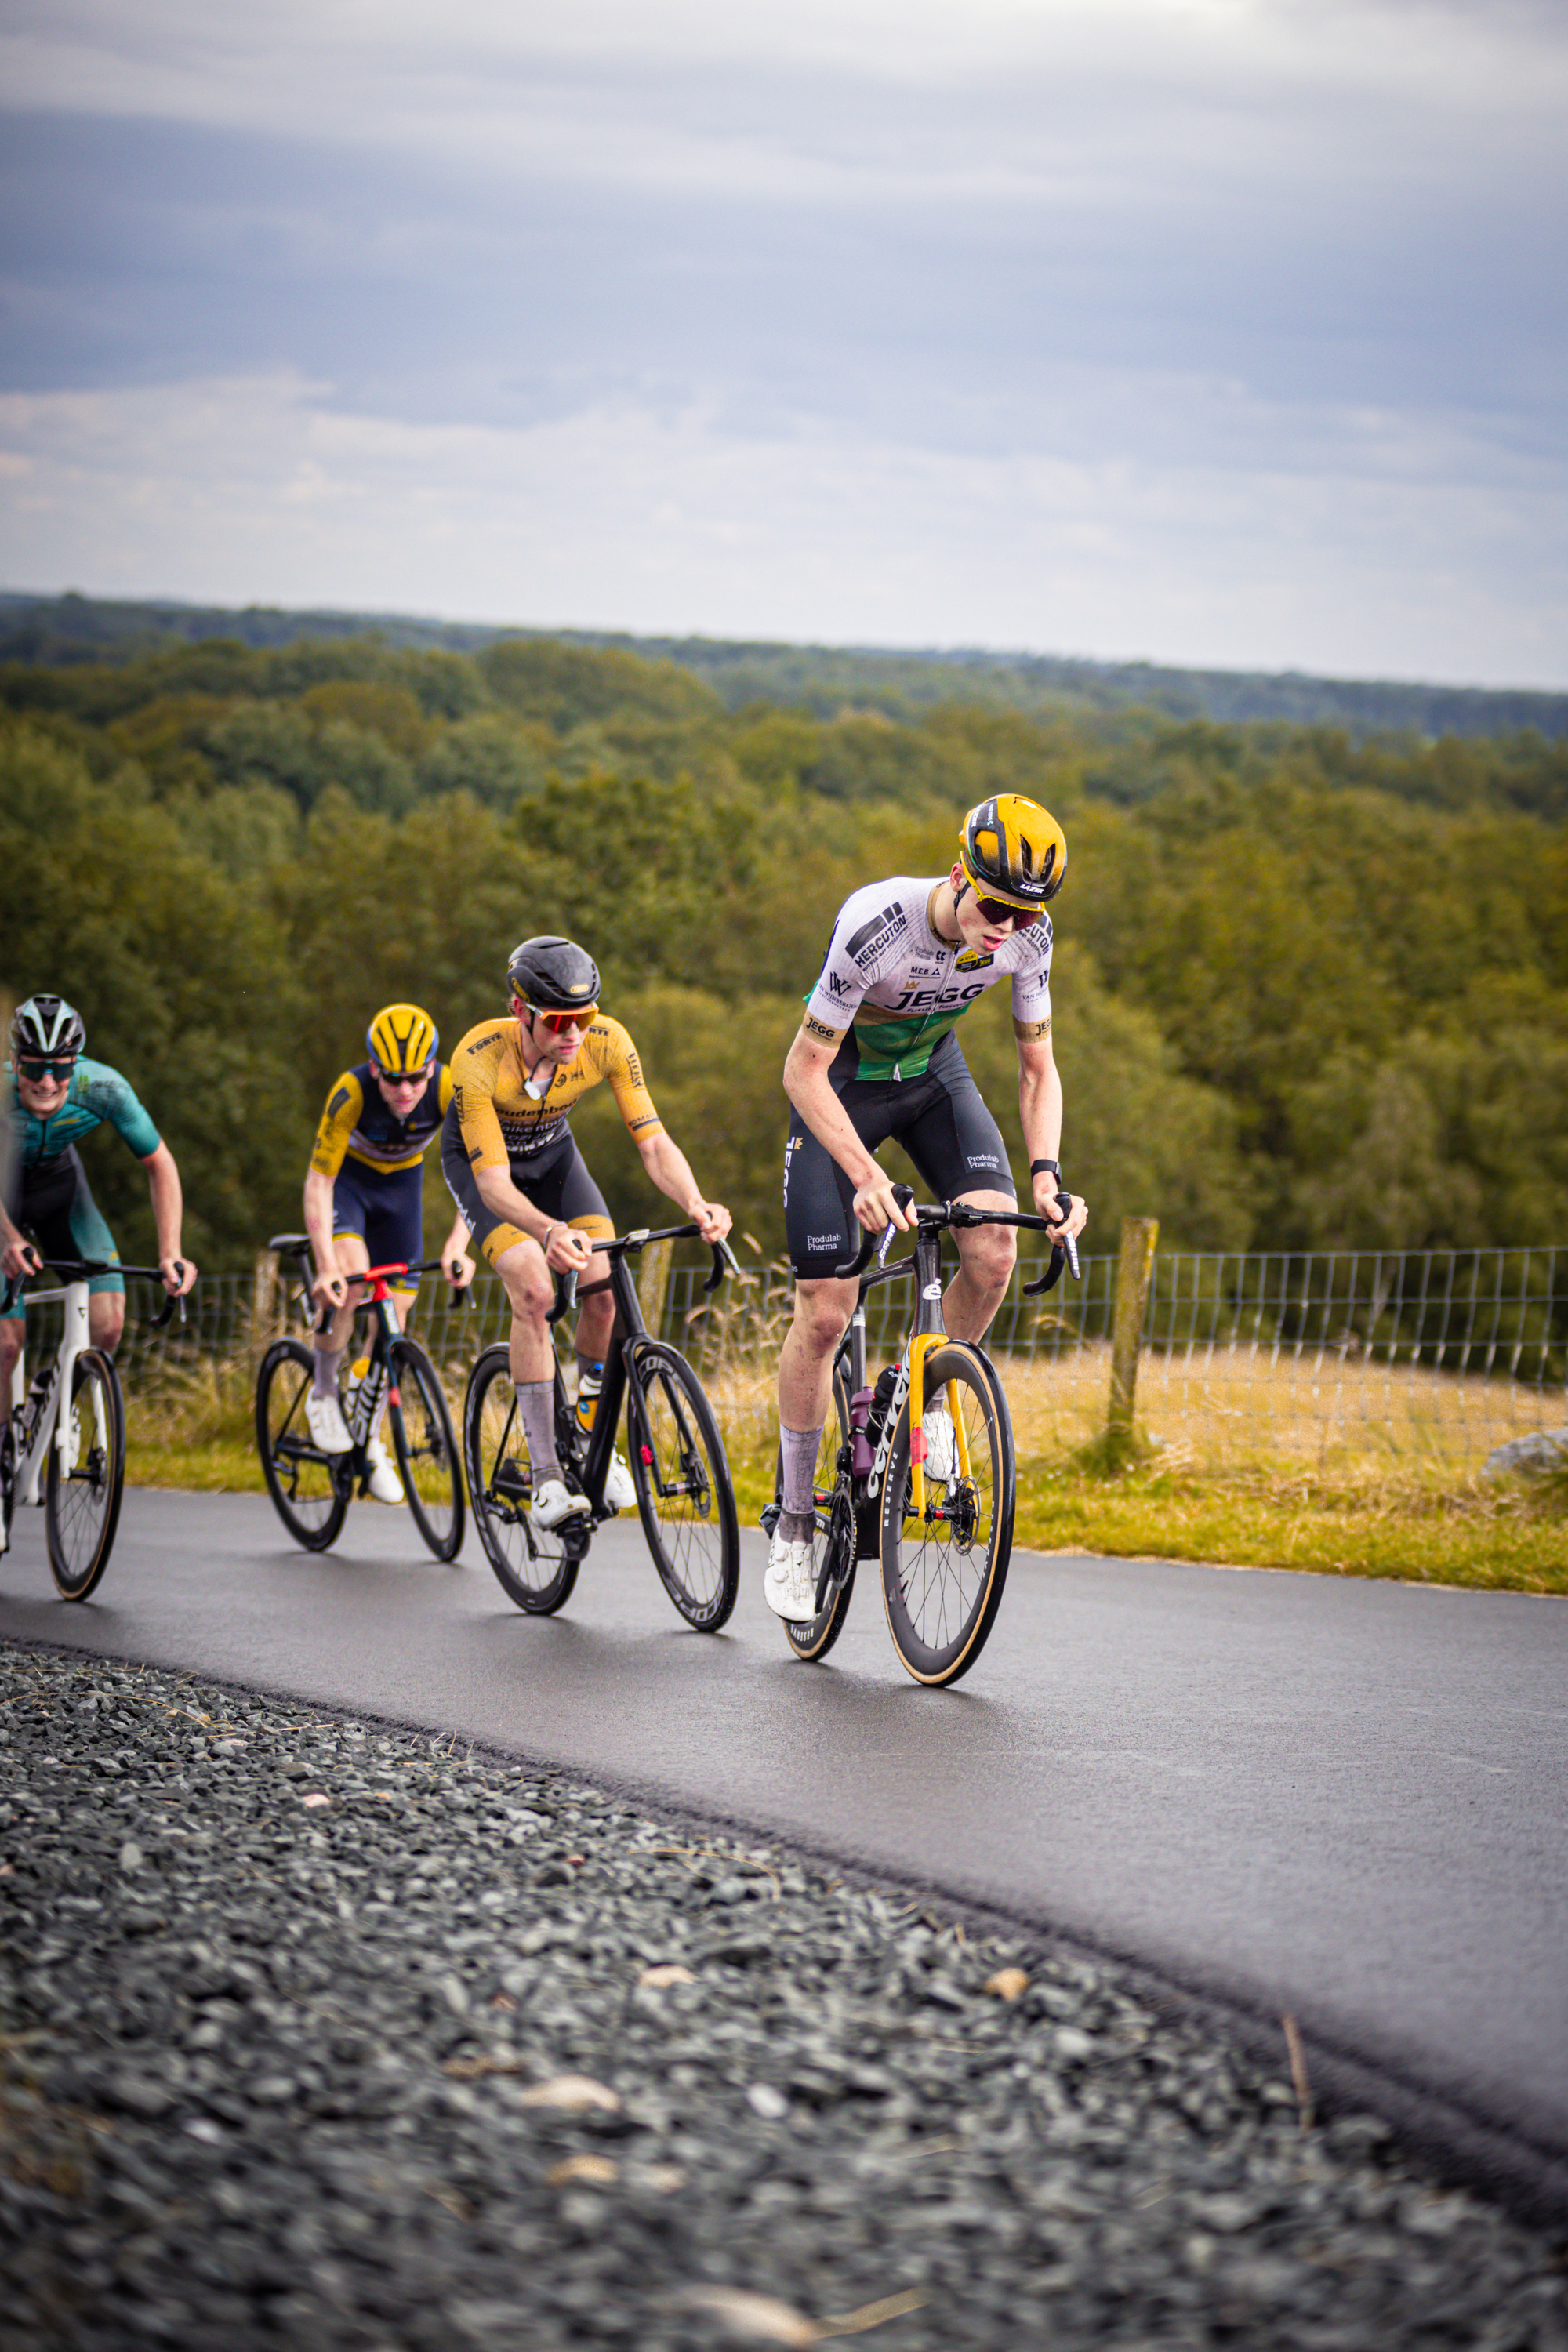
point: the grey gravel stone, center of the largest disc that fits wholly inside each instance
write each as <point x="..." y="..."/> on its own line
<point x="1538" y="1451"/>
<point x="474" y="2056"/>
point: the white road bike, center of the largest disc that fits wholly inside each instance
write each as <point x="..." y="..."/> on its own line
<point x="70" y="1461"/>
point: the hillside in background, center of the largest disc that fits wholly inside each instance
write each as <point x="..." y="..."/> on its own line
<point x="1308" y="992"/>
<point x="820" y="679"/>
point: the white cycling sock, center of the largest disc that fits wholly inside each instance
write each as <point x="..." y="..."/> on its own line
<point x="536" y="1411"/>
<point x="799" y="1448"/>
<point x="328" y="1361"/>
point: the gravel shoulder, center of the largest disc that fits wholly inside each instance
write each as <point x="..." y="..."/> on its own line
<point x="314" y="2034"/>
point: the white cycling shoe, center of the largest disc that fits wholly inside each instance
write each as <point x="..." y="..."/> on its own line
<point x="789" y="1587"/>
<point x="385" y="1483"/>
<point x="942" y="1445"/>
<point x="620" y="1495"/>
<point x="327" y="1427"/>
<point x="553" y="1503"/>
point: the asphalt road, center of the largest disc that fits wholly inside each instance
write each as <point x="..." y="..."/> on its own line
<point x="1337" y="1799"/>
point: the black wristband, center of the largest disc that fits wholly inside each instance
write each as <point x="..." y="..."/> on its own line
<point x="1045" y="1168"/>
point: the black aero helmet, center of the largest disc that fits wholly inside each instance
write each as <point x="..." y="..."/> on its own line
<point x="47" y="1024"/>
<point x="553" y="975"/>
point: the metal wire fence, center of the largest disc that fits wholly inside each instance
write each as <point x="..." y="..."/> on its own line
<point x="1444" y="1352"/>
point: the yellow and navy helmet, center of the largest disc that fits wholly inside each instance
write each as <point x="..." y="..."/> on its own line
<point x="402" y="1039"/>
<point x="1014" y="849"/>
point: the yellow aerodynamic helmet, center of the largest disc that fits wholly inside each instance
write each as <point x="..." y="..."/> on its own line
<point x="1015" y="850"/>
<point x="402" y="1039"/>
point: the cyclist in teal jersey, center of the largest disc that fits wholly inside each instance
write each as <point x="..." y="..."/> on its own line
<point x="53" y="1096"/>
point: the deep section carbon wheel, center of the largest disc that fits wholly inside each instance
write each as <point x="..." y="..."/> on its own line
<point x="534" y="1569"/>
<point x="427" y="1449"/>
<point x="682" y="1480"/>
<point x="82" y="1485"/>
<point x="309" y="1488"/>
<point x="942" y="1572"/>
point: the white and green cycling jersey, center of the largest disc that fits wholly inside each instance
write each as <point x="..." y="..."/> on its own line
<point x="898" y="987"/>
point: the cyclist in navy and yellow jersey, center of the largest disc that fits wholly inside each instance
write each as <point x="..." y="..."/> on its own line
<point x="877" y="1059"/>
<point x="365" y="1201"/>
<point x="53" y="1096"/>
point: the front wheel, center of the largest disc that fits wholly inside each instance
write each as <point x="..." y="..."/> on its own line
<point x="84" y="1481"/>
<point x="309" y="1489"/>
<point x="942" y="1572"/>
<point x="427" y="1449"/>
<point x="682" y="1480"/>
<point x="533" y="1568"/>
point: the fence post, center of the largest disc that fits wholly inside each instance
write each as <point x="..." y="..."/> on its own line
<point x="265" y="1322"/>
<point x="653" y="1283"/>
<point x="1138" y="1235"/>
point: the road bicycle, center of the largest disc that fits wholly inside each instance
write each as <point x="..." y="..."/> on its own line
<point x="79" y="1454"/>
<point x="679" y="1467"/>
<point x="312" y="1489"/>
<point x="938" y="1517"/>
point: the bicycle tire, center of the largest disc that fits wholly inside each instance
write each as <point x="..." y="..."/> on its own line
<point x="81" y="1509"/>
<point x="943" y="1585"/>
<point x="534" y="1569"/>
<point x="685" y="1496"/>
<point x="427" y="1448"/>
<point x="814" y="1636"/>
<point x="309" y="1489"/>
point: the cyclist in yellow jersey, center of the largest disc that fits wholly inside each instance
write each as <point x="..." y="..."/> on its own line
<point x="523" y="1191"/>
<point x="364" y="1203"/>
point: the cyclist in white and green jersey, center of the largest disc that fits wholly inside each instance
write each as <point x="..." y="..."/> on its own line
<point x="877" y="1059"/>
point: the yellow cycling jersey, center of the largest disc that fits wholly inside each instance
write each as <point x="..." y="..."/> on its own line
<point x="358" y="1123"/>
<point x="502" y="1122"/>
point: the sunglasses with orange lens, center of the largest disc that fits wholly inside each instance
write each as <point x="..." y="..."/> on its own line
<point x="580" y="1019"/>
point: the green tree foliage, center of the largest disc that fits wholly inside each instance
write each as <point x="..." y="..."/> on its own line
<point x="1308" y="993"/>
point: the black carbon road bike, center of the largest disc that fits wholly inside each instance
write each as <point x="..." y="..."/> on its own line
<point x="312" y="1489"/>
<point x="938" y="1515"/>
<point x="77" y="1448"/>
<point x="678" y="1467"/>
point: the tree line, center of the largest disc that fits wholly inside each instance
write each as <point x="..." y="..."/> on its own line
<point x="1307" y="994"/>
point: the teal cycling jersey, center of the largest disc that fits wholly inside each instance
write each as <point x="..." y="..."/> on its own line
<point x="97" y="1096"/>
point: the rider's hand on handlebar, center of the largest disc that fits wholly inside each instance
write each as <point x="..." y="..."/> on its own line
<point x="458" y="1270"/>
<point x="569" y="1252"/>
<point x="1047" y="1206"/>
<point x="876" y="1208"/>
<point x="19" y="1257"/>
<point x="711" y="1219"/>
<point x="179" y="1276"/>
<point x="329" y="1289"/>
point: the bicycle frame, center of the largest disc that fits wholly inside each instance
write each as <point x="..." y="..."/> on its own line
<point x="51" y="1422"/>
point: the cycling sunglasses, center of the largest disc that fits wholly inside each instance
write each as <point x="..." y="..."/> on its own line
<point x="997" y="910"/>
<point x="46" y="1065"/>
<point x="578" y="1020"/>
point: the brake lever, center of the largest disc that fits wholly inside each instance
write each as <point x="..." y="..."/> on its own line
<point x="565" y="1294"/>
<point x="724" y="1262"/>
<point x="1063" y="1253"/>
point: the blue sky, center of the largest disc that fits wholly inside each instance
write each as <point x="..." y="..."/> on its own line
<point x="1211" y="330"/>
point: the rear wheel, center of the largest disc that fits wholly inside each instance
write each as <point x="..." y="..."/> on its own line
<point x="684" y="1494"/>
<point x="833" y="1546"/>
<point x="83" y="1484"/>
<point x="309" y="1489"/>
<point x="427" y="1449"/>
<point x="944" y="1573"/>
<point x="533" y="1568"/>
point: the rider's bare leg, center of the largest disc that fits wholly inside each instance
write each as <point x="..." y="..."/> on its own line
<point x="531" y="1287"/>
<point x="822" y="1312"/>
<point x="106" y="1319"/>
<point x="11" y="1331"/>
<point x="986" y="1257"/>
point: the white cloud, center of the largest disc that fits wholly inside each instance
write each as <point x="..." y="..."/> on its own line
<point x="620" y="517"/>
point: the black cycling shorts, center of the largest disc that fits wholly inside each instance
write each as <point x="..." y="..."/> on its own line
<point x="52" y="1204"/>
<point x="385" y="1207"/>
<point x="555" y="1181"/>
<point x="941" y="1121"/>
